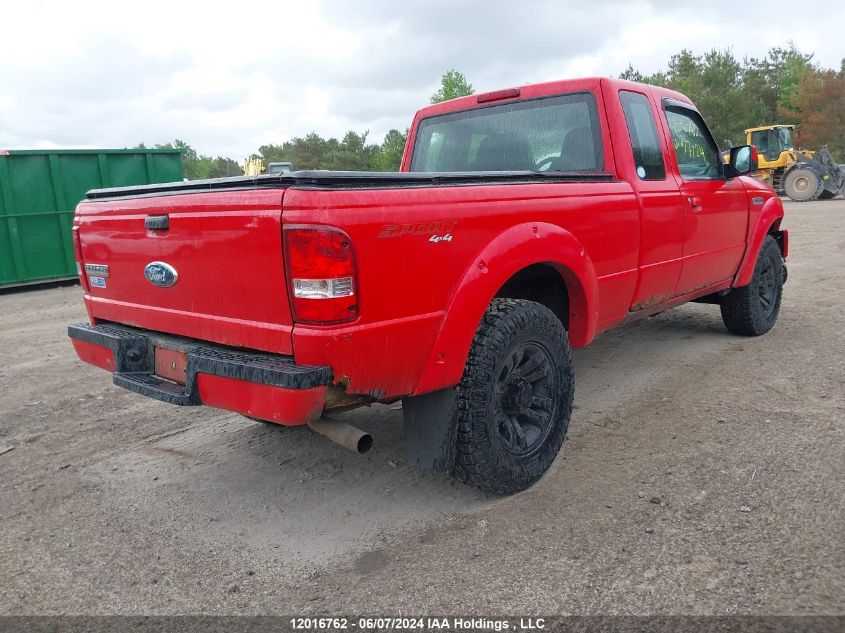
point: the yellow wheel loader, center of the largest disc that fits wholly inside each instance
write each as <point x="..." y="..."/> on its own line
<point x="256" y="167"/>
<point x="253" y="167"/>
<point x="801" y="174"/>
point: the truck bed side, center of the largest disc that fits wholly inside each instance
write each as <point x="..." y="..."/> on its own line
<point x="419" y="247"/>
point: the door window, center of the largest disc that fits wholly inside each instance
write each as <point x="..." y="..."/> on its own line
<point x="648" y="155"/>
<point x="695" y="150"/>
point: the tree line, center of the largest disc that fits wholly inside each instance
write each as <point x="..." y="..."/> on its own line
<point x="196" y="166"/>
<point x="353" y="152"/>
<point x="784" y="86"/>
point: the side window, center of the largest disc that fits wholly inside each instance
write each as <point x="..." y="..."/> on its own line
<point x="648" y="156"/>
<point x="761" y="141"/>
<point x="695" y="150"/>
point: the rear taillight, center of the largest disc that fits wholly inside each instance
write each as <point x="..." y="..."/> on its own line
<point x="77" y="254"/>
<point x="321" y="274"/>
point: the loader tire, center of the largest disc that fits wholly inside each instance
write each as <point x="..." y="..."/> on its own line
<point x="802" y="184"/>
<point x="514" y="401"/>
<point x="826" y="195"/>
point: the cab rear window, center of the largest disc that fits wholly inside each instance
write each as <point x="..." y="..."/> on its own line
<point x="559" y="133"/>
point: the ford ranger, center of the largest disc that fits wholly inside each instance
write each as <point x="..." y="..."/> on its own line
<point x="523" y="223"/>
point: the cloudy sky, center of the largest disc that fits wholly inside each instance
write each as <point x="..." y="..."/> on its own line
<point x="232" y="76"/>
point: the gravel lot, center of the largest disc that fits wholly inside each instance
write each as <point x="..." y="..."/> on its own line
<point x="702" y="474"/>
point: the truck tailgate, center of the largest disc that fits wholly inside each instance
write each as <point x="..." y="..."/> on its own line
<point x="225" y="248"/>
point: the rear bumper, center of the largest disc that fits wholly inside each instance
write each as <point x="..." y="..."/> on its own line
<point x="264" y="386"/>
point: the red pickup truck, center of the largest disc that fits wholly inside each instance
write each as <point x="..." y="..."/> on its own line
<point x="524" y="222"/>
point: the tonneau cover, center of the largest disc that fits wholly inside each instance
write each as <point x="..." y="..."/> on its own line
<point x="313" y="179"/>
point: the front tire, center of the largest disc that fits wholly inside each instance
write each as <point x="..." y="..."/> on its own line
<point x="753" y="309"/>
<point x="514" y="401"/>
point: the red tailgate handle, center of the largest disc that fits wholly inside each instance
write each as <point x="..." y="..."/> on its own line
<point x="157" y="222"/>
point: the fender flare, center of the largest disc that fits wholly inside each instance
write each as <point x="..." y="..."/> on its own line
<point x="509" y="252"/>
<point x="768" y="221"/>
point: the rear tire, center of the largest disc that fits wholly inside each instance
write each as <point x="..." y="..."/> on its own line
<point x="802" y="184"/>
<point x="753" y="309"/>
<point x="826" y="195"/>
<point x="514" y="401"/>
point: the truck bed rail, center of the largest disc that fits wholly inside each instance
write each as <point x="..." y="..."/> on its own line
<point x="311" y="179"/>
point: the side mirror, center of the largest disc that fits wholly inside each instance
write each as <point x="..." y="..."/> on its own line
<point x="742" y="160"/>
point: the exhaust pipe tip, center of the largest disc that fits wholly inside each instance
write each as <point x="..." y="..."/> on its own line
<point x="344" y="434"/>
<point x="365" y="443"/>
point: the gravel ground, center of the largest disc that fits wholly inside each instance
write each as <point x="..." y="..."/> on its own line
<point x="702" y="474"/>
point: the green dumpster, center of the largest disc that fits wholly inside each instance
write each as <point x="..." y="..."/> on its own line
<point x="39" y="190"/>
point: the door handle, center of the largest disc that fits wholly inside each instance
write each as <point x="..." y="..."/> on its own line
<point x="695" y="203"/>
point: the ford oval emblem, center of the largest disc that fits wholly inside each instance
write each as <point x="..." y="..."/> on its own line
<point x="161" y="274"/>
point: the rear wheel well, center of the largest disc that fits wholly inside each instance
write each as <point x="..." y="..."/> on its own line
<point x="542" y="284"/>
